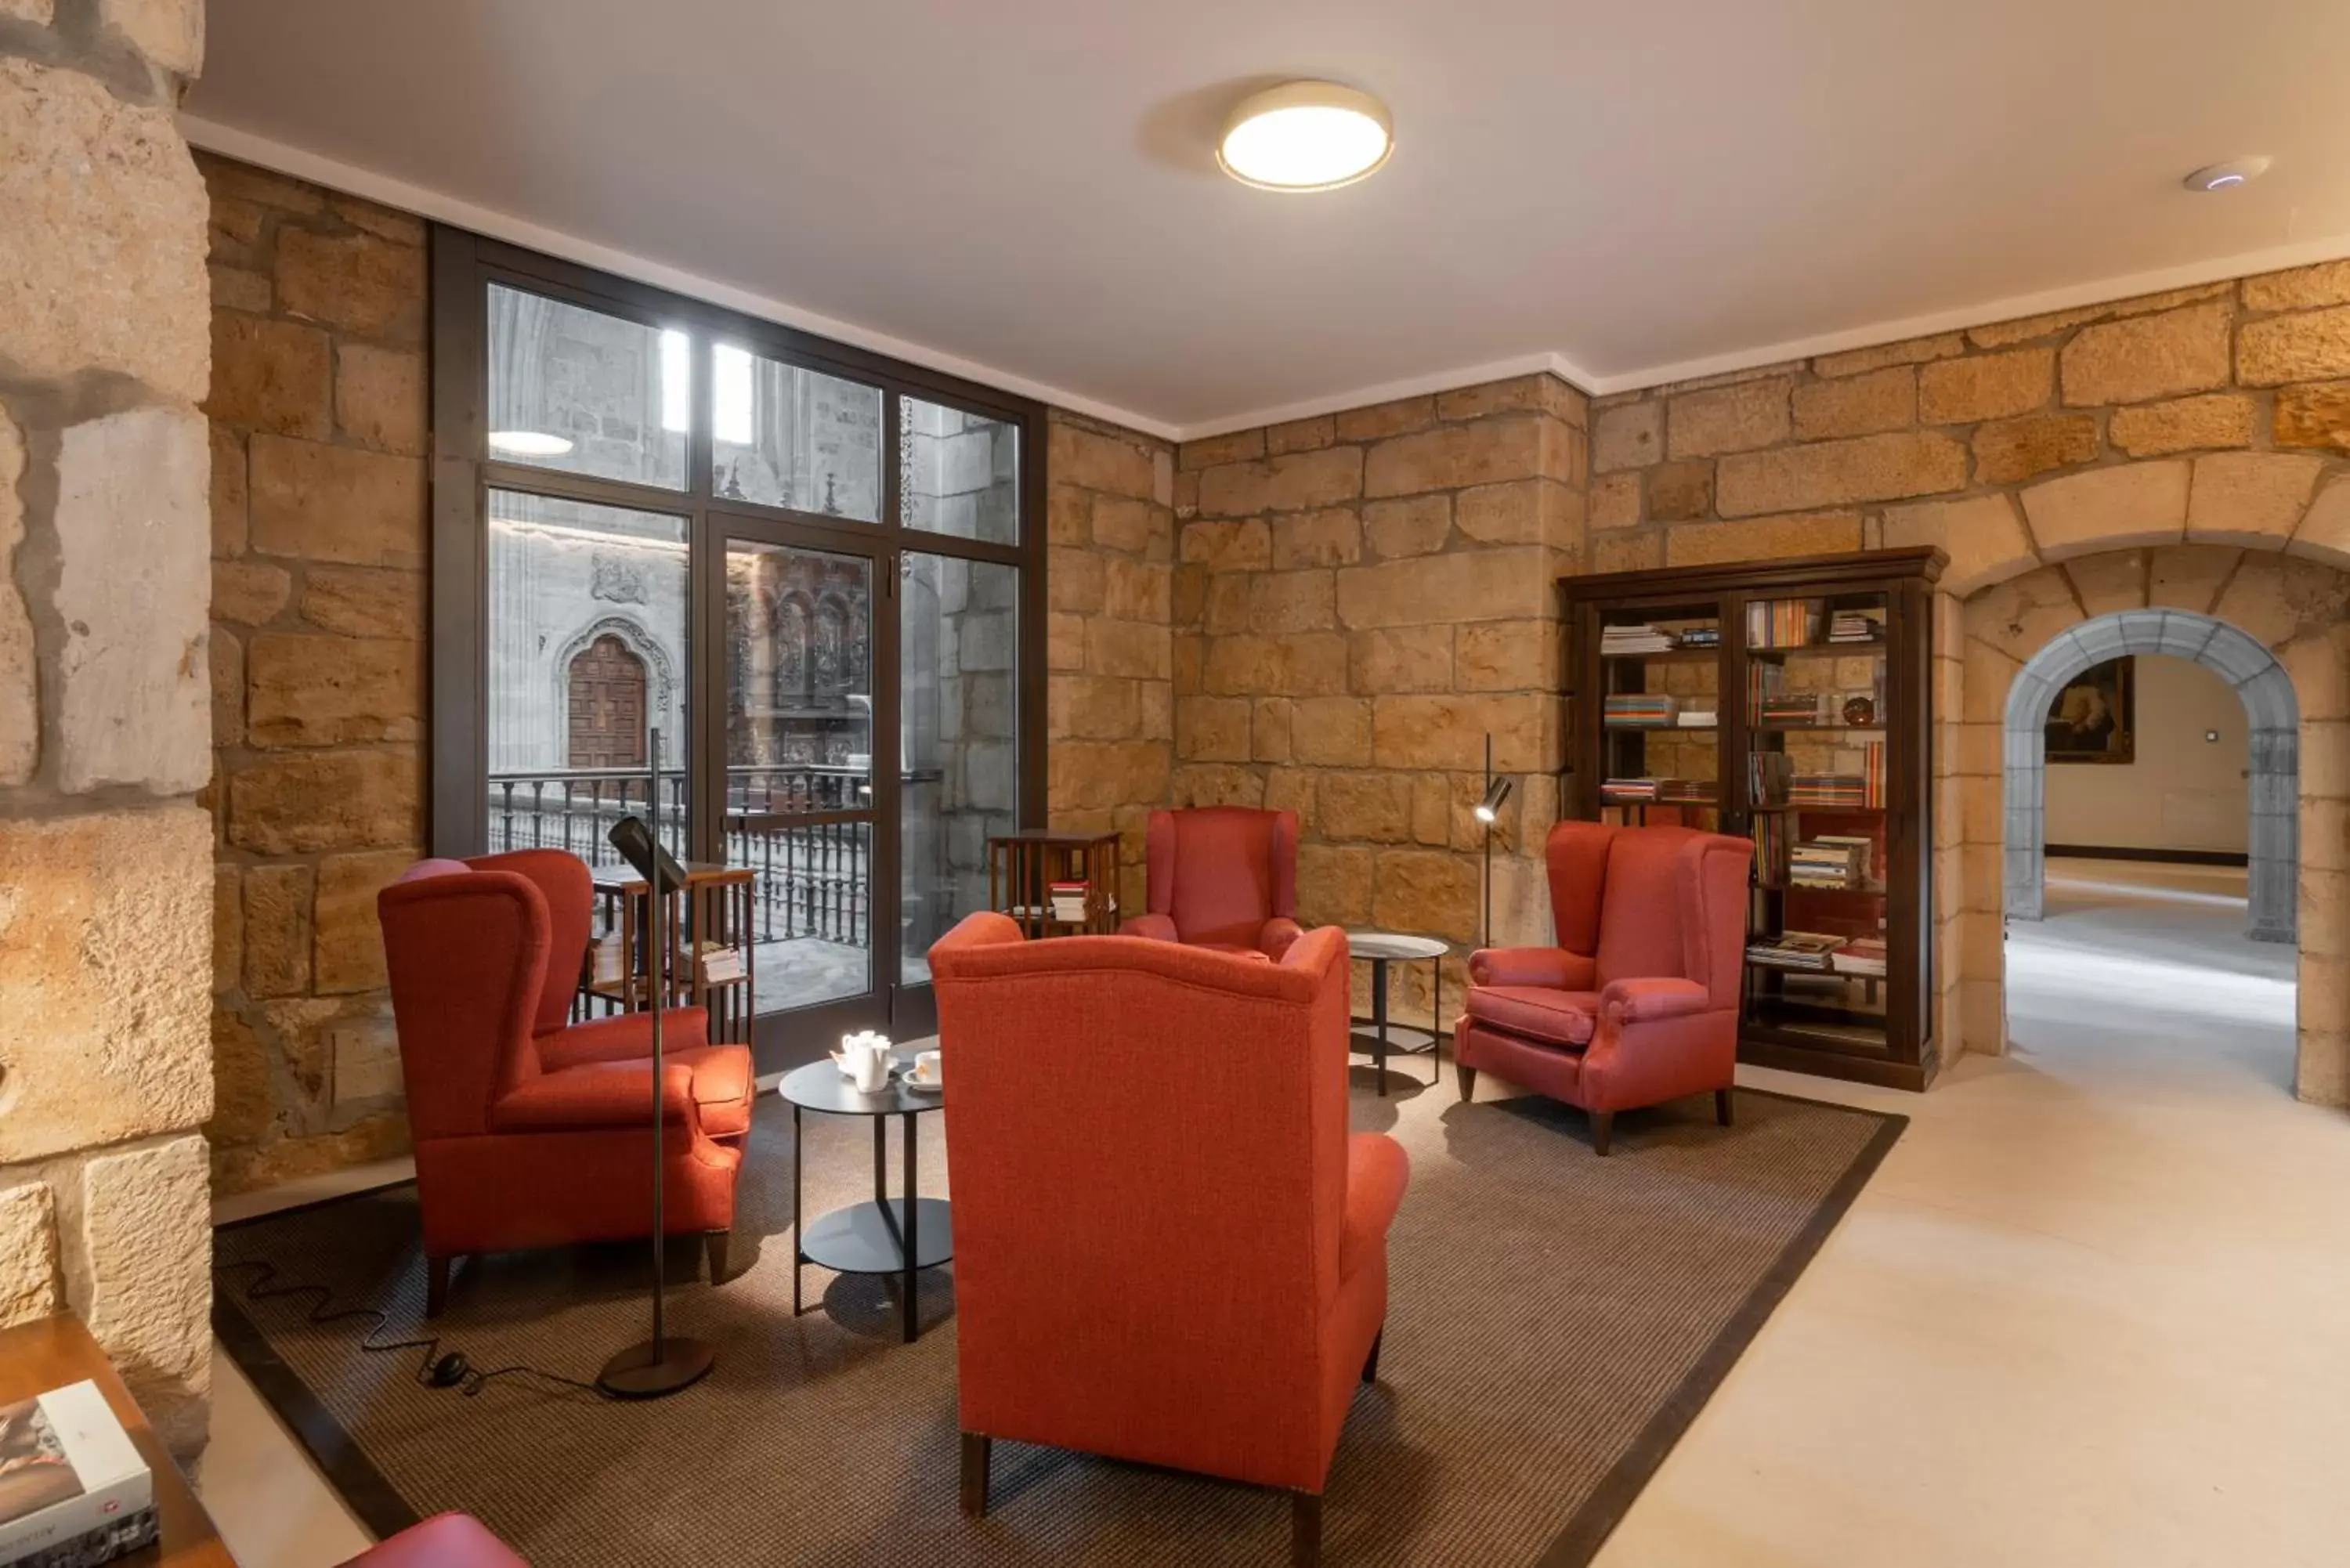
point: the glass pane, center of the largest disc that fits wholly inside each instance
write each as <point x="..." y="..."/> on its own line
<point x="958" y="474"/>
<point x="1660" y="711"/>
<point x="789" y="437"/>
<point x="799" y="741"/>
<point x="959" y="651"/>
<point x="587" y="653"/>
<point x="579" y="390"/>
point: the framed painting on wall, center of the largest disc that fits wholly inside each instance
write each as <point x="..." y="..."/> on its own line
<point x="2095" y="718"/>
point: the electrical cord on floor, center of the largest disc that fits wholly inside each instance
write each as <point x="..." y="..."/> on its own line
<point x="435" y="1368"/>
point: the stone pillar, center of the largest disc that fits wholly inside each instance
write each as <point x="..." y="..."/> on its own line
<point x="105" y="729"/>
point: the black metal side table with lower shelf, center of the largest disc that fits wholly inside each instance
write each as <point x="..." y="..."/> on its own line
<point x="890" y="1236"/>
<point x="1383" y="1040"/>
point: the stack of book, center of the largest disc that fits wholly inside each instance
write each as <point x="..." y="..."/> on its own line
<point x="1641" y="638"/>
<point x="1694" y="719"/>
<point x="1830" y="861"/>
<point x="717" y="964"/>
<point x="1854" y="626"/>
<point x="1872" y="776"/>
<point x="1789" y="708"/>
<point x="75" y="1491"/>
<point x="1069" y="901"/>
<point x="1781" y="623"/>
<point x="1827" y="791"/>
<point x="1652" y="710"/>
<point x="1707" y="636"/>
<point x="1685" y="792"/>
<point x="1861" y="956"/>
<point x="1628" y="791"/>
<point x="1794" y="950"/>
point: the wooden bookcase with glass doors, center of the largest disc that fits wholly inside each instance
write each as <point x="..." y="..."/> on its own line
<point x="1789" y="702"/>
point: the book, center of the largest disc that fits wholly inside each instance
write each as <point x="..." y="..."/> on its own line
<point x="1638" y="638"/>
<point x="73" y="1490"/>
<point x="1807" y="950"/>
<point x="1863" y="956"/>
<point x="1781" y="623"/>
<point x="717" y="964"/>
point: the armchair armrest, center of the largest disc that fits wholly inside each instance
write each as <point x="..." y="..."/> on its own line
<point x="1377" y="1170"/>
<point x="623" y="1037"/>
<point x="601" y="1095"/>
<point x="1553" y="967"/>
<point x="1644" y="1001"/>
<point x="1275" y="938"/>
<point x="1157" y="927"/>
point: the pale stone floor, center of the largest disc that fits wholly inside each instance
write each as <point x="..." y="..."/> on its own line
<point x="2089" y="1312"/>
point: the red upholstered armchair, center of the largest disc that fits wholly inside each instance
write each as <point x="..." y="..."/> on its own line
<point x="1639" y="1002"/>
<point x="1221" y="877"/>
<point x="1168" y="1246"/>
<point x="530" y="1132"/>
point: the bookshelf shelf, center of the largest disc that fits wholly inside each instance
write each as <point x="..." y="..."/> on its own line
<point x="1816" y="1001"/>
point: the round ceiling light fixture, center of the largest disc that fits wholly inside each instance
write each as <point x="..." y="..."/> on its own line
<point x="529" y="443"/>
<point x="2228" y="176"/>
<point x="1305" y="136"/>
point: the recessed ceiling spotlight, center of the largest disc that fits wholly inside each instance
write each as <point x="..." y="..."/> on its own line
<point x="2226" y="176"/>
<point x="1305" y="136"/>
<point x="529" y="443"/>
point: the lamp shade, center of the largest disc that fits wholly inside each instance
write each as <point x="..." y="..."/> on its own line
<point x="1489" y="808"/>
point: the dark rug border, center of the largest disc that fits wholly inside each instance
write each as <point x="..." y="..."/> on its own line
<point x="380" y="1508"/>
<point x="1604" y="1508"/>
<point x="363" y="1488"/>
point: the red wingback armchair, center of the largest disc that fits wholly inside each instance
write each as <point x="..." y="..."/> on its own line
<point x="1639" y="1002"/>
<point x="531" y="1132"/>
<point x="1221" y="877"/>
<point x="1168" y="1246"/>
<point x="444" y="1541"/>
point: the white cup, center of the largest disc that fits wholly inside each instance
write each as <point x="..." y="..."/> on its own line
<point x="927" y="1066"/>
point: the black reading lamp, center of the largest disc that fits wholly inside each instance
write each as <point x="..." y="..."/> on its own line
<point x="667" y="1362"/>
<point x="1488" y="812"/>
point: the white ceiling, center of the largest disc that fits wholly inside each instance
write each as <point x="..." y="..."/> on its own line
<point x="1024" y="190"/>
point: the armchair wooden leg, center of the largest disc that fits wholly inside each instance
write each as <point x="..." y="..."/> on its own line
<point x="1371" y="1361"/>
<point x="1466" y="1076"/>
<point x="1721" y="1112"/>
<point x="1305" y="1530"/>
<point x="714" y="1243"/>
<point x="1602" y="1123"/>
<point x="436" y="1284"/>
<point x="974" y="1474"/>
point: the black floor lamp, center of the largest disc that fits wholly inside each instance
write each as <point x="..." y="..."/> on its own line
<point x="667" y="1362"/>
<point x="1489" y="813"/>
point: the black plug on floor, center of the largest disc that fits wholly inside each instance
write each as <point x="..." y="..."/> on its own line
<point x="449" y="1371"/>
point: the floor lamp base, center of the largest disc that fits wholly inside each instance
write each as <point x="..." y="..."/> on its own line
<point x="656" y="1367"/>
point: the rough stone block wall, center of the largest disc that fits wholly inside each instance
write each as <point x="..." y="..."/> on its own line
<point x="2070" y="463"/>
<point x="1111" y="660"/>
<point x="1359" y="600"/>
<point x="318" y="537"/>
<point x="105" y="1063"/>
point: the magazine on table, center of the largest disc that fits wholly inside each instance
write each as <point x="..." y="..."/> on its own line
<point x="73" y="1490"/>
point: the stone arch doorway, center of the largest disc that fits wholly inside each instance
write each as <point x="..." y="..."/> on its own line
<point x="2273" y="715"/>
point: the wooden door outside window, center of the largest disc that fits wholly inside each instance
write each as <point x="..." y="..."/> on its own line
<point x="607" y="706"/>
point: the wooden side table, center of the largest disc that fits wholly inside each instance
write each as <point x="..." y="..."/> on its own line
<point x="1023" y="867"/>
<point x="710" y="937"/>
<point x="36" y="1358"/>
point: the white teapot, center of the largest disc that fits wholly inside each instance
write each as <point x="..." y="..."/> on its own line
<point x="865" y="1058"/>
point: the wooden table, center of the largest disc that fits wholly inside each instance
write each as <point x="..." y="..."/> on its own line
<point x="55" y="1351"/>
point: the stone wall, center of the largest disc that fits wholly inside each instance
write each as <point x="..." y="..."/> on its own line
<point x="104" y="1071"/>
<point x="1110" y="658"/>
<point x="2086" y="454"/>
<point x="1361" y="600"/>
<point x="318" y="530"/>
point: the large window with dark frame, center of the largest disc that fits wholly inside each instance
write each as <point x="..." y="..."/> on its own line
<point x="815" y="572"/>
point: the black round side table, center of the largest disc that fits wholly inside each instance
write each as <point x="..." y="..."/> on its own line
<point x="1382" y="949"/>
<point x="889" y="1235"/>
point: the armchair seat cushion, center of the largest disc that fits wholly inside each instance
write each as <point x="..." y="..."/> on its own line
<point x="1538" y="1012"/>
<point x="723" y="1086"/>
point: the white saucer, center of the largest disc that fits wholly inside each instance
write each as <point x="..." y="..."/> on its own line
<point x="923" y="1085"/>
